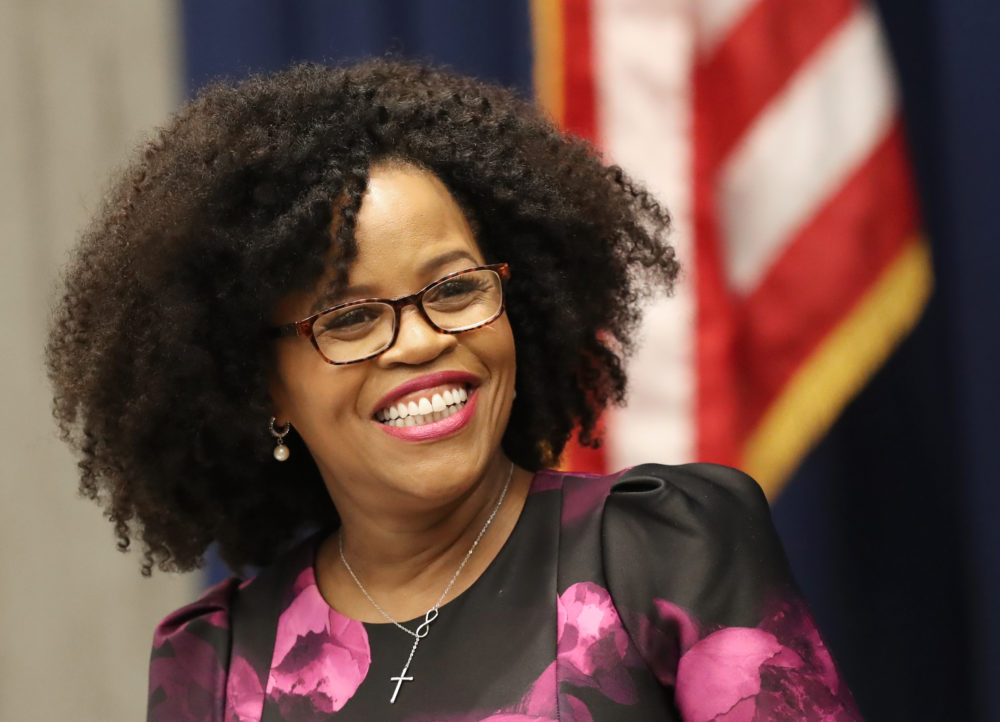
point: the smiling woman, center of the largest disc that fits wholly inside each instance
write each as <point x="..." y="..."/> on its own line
<point x="427" y="470"/>
<point x="338" y="321"/>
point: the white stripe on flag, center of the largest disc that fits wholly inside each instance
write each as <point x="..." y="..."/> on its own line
<point x="803" y="146"/>
<point x="642" y="58"/>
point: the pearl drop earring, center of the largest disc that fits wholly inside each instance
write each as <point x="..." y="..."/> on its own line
<point x="281" y="452"/>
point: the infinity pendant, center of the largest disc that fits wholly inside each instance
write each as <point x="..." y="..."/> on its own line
<point x="425" y="626"/>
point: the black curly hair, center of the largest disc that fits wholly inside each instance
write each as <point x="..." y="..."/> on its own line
<point x="159" y="350"/>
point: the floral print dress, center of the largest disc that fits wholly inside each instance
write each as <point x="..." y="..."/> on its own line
<point x="660" y="593"/>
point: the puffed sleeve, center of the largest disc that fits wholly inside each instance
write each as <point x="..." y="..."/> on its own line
<point x="699" y="577"/>
<point x="189" y="664"/>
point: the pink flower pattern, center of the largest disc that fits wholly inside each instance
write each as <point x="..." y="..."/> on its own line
<point x="186" y="673"/>
<point x="777" y="671"/>
<point x="244" y="693"/>
<point x="188" y="689"/>
<point x="320" y="658"/>
<point x="592" y="643"/>
<point x="604" y="655"/>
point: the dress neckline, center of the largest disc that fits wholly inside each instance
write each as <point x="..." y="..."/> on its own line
<point x="308" y="582"/>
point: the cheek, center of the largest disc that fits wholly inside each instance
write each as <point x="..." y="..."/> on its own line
<point x="505" y="342"/>
<point x="497" y="353"/>
<point x="304" y="389"/>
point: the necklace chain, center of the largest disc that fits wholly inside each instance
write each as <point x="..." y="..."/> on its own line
<point x="431" y="613"/>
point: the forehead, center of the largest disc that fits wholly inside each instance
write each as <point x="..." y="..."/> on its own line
<point x="409" y="231"/>
<point x="407" y="218"/>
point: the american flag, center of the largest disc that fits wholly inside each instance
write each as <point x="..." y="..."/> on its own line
<point x="771" y="130"/>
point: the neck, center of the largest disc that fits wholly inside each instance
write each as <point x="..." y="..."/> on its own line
<point x="406" y="561"/>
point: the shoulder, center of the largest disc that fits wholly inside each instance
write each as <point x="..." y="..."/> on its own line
<point x="698" y="535"/>
<point x="211" y="658"/>
<point x="211" y="610"/>
<point x="707" y="504"/>
<point x="191" y="649"/>
<point x="717" y="497"/>
<point x="708" y="494"/>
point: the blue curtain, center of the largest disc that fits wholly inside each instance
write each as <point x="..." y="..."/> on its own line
<point x="890" y="521"/>
<point x="491" y="40"/>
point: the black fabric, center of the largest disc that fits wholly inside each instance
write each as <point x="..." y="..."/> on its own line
<point x="658" y="594"/>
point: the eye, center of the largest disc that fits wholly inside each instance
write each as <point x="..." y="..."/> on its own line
<point x="457" y="291"/>
<point x="456" y="286"/>
<point x="349" y="322"/>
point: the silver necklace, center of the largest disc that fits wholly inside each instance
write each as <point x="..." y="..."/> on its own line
<point x="431" y="613"/>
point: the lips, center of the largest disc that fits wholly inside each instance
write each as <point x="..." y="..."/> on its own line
<point x="434" y="426"/>
<point x="425" y="387"/>
<point x="431" y="405"/>
<point x="428" y="406"/>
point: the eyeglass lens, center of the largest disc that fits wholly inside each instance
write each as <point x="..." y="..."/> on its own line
<point x="457" y="303"/>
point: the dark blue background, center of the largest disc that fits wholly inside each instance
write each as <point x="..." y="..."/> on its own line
<point x="491" y="39"/>
<point x="889" y="523"/>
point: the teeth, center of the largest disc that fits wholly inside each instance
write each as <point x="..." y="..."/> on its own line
<point x="424" y="410"/>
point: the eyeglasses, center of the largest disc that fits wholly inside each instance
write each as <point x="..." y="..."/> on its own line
<point x="362" y="329"/>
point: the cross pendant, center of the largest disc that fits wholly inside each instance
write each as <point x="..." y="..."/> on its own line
<point x="399" y="681"/>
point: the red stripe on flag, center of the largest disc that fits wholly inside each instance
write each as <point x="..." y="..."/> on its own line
<point x="731" y="86"/>
<point x="580" y="108"/>
<point x="823" y="272"/>
<point x="765" y="49"/>
<point x="717" y="387"/>
<point x="580" y="118"/>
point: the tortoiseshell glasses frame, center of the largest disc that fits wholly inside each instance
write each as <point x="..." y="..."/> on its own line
<point x="306" y="326"/>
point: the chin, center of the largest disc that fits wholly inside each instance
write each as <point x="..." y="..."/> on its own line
<point x="444" y="474"/>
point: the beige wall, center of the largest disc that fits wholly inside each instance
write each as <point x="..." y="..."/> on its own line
<point x="79" y="81"/>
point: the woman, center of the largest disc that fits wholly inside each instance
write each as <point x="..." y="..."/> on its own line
<point x="338" y="322"/>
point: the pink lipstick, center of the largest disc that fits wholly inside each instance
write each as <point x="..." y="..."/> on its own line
<point x="427" y="381"/>
<point x="436" y="429"/>
<point x="428" y="406"/>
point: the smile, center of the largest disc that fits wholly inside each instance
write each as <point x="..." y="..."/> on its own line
<point x="429" y="406"/>
<point x="436" y="424"/>
<point x="424" y="410"/>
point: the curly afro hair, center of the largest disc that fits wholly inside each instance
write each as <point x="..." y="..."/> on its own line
<point x="159" y="350"/>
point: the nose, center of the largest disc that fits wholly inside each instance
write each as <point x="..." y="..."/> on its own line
<point x="417" y="342"/>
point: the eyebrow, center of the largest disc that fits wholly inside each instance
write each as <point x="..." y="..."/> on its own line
<point x="334" y="294"/>
<point x="444" y="259"/>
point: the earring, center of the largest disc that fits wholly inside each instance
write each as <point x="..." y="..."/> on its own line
<point x="281" y="452"/>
